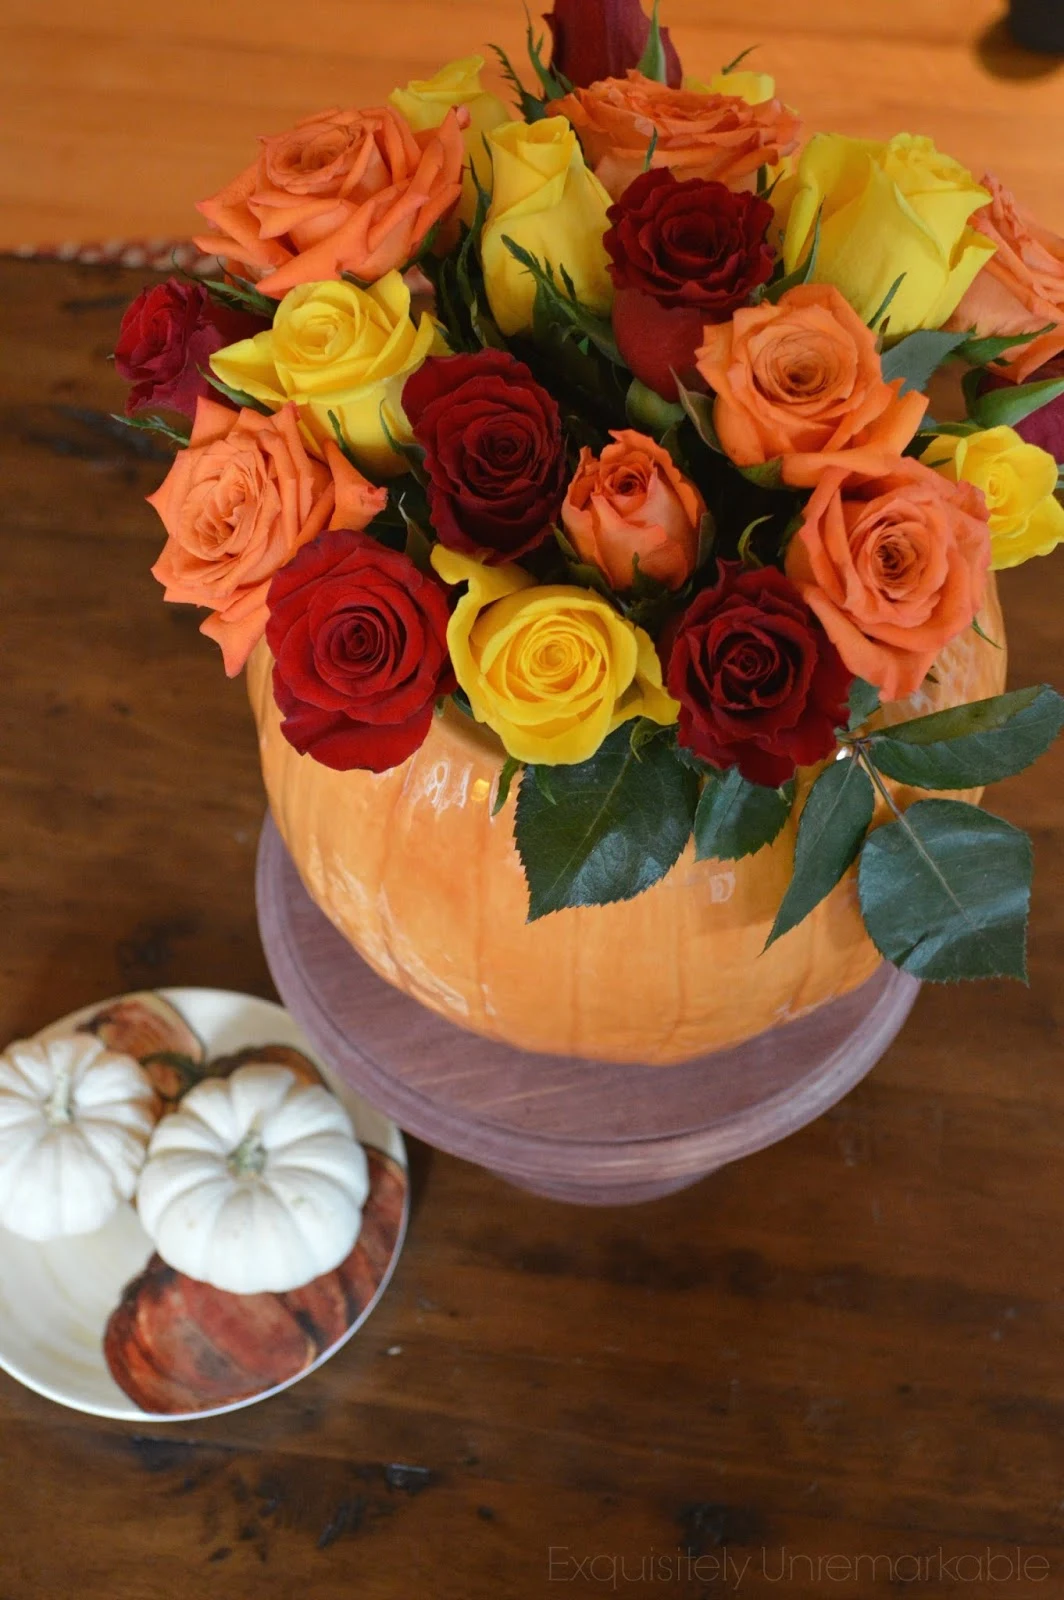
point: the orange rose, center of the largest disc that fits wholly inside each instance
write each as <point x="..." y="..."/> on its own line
<point x="894" y="566"/>
<point x="803" y="380"/>
<point x="345" y="191"/>
<point x="699" y="135"/>
<point x="633" y="503"/>
<point x="237" y="504"/>
<point x="1021" y="288"/>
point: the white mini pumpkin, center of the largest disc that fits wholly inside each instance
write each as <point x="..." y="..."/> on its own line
<point x="255" y="1183"/>
<point x="75" y="1120"/>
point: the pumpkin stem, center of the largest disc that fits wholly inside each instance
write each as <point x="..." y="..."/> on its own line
<point x="248" y="1159"/>
<point x="59" y="1106"/>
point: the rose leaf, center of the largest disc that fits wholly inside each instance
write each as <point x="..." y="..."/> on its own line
<point x="917" y="356"/>
<point x="834" y="821"/>
<point x="945" y="892"/>
<point x="614" y="825"/>
<point x="736" y="818"/>
<point x="971" y="745"/>
<point x="864" y="702"/>
<point x="1003" y="408"/>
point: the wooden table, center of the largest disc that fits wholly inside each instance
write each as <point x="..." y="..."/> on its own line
<point x="848" y="1345"/>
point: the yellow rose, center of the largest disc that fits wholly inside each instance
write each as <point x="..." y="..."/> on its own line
<point x="753" y="87"/>
<point x="336" y="347"/>
<point x="888" y="209"/>
<point x="544" y="198"/>
<point x="1018" y="481"/>
<point x="551" y="668"/>
<point x="426" y="101"/>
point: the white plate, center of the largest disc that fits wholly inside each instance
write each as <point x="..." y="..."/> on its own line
<point x="56" y="1298"/>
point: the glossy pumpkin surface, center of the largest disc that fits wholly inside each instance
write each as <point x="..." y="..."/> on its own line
<point x="411" y="866"/>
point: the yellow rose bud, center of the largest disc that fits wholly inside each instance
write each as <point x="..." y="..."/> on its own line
<point x="426" y="101"/>
<point x="336" y="347"/>
<point x="888" y="210"/>
<point x="753" y="87"/>
<point x="546" y="199"/>
<point x="1018" y="481"/>
<point x="552" y="669"/>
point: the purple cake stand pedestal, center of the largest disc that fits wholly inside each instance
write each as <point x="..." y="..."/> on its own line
<point x="582" y="1131"/>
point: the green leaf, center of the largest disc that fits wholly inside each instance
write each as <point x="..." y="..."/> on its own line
<point x="652" y="63"/>
<point x="945" y="892"/>
<point x="238" y="396"/>
<point x="153" y="424"/>
<point x="766" y="474"/>
<point x="582" y="572"/>
<point x="566" y="307"/>
<point x="981" y="352"/>
<point x="977" y="628"/>
<point x="886" y="303"/>
<point x="413" y="454"/>
<point x="510" y="769"/>
<point x="739" y="59"/>
<point x="1003" y="408"/>
<point x="554" y="84"/>
<point x="618" y="824"/>
<point x="971" y="745"/>
<point x="917" y="356"/>
<point x="645" y="409"/>
<point x="532" y="110"/>
<point x="802" y="273"/>
<point x="736" y="818"/>
<point x="834" y="821"/>
<point x="747" y="555"/>
<point x="699" y="409"/>
<point x="644" y="731"/>
<point x="648" y="159"/>
<point x="864" y="702"/>
<point x="342" y="444"/>
<point x="240" y="294"/>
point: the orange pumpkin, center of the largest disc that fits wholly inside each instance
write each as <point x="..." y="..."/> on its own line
<point x="426" y="884"/>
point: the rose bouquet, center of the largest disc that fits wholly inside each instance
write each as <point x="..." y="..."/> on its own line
<point x="609" y="422"/>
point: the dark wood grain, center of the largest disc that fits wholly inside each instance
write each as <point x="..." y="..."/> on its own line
<point x="850" y="1343"/>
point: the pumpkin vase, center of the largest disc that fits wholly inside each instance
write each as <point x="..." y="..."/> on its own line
<point x="423" y="880"/>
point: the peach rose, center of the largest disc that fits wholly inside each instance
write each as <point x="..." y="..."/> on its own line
<point x="894" y="566"/>
<point x="717" y="136"/>
<point x="803" y="380"/>
<point x="630" y="504"/>
<point x="344" y="191"/>
<point x="1021" y="288"/>
<point x="237" y="504"/>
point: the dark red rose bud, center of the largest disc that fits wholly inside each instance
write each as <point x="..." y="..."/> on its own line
<point x="596" y="39"/>
<point x="656" y="340"/>
<point x="494" y="452"/>
<point x="760" y="685"/>
<point x="688" y="246"/>
<point x="1044" y="427"/>
<point x="169" y="332"/>
<point x="359" y="640"/>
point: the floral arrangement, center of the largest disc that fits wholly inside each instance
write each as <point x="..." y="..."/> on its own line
<point x="607" y="418"/>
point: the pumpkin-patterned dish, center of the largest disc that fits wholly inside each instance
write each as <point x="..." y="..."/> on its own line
<point x="253" y="1167"/>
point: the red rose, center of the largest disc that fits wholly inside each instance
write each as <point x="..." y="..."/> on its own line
<point x="1044" y="427"/>
<point x="760" y="685"/>
<point x="494" y="453"/>
<point x="359" y="639"/>
<point x="169" y="332"/>
<point x="683" y="253"/>
<point x="596" y="39"/>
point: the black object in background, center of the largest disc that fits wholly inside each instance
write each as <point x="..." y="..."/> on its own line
<point x="1038" y="24"/>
